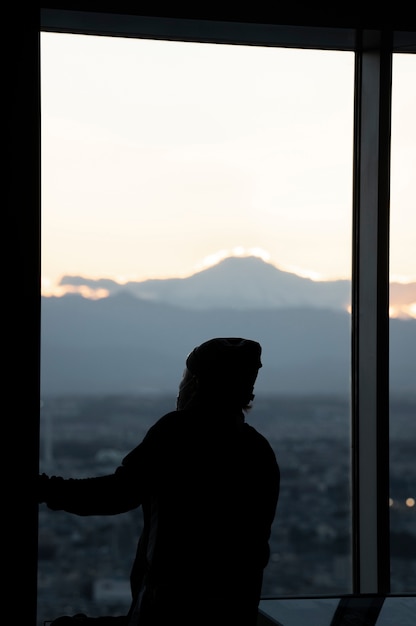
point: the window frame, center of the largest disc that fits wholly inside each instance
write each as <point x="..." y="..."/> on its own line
<point x="373" y="50"/>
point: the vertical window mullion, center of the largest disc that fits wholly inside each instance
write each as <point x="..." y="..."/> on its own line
<point x="370" y="320"/>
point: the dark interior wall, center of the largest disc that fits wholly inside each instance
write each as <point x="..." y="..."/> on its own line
<point x="20" y="238"/>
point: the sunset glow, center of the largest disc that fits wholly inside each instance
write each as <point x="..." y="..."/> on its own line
<point x="165" y="177"/>
<point x="238" y="251"/>
<point x="403" y="311"/>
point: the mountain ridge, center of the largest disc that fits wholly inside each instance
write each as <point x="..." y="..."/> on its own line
<point x="243" y="283"/>
<point x="127" y="344"/>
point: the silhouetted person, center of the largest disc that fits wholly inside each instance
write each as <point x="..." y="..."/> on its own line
<point x="208" y="485"/>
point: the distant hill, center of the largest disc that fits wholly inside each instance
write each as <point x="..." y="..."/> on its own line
<point x="136" y="341"/>
<point x="242" y="283"/>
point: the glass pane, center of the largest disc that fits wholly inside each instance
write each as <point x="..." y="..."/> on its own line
<point x="403" y="326"/>
<point x="191" y="191"/>
<point x="364" y="610"/>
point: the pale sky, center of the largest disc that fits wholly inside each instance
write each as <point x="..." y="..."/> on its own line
<point x="160" y="157"/>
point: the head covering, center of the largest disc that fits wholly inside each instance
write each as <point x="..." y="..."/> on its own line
<point x="227" y="366"/>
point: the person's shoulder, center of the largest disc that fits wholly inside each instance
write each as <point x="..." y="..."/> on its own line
<point x="256" y="436"/>
<point x="161" y="432"/>
<point x="262" y="454"/>
<point x="251" y="431"/>
<point x="172" y="421"/>
<point x="165" y="421"/>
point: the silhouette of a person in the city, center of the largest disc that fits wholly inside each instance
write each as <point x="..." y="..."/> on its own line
<point x="208" y="484"/>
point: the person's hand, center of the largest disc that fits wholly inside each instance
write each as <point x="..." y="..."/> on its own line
<point x="42" y="488"/>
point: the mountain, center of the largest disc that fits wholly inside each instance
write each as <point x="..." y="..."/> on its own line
<point x="243" y="283"/>
<point x="130" y="344"/>
<point x="237" y="282"/>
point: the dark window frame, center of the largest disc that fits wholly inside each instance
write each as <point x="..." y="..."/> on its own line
<point x="373" y="47"/>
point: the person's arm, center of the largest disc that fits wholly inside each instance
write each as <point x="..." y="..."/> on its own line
<point x="110" y="494"/>
<point x="103" y="495"/>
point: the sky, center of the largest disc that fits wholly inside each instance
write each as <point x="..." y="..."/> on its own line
<point x="160" y="158"/>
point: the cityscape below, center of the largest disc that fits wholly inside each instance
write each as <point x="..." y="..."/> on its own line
<point x="84" y="563"/>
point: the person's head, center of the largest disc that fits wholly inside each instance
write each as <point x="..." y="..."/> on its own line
<point x="221" y="371"/>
